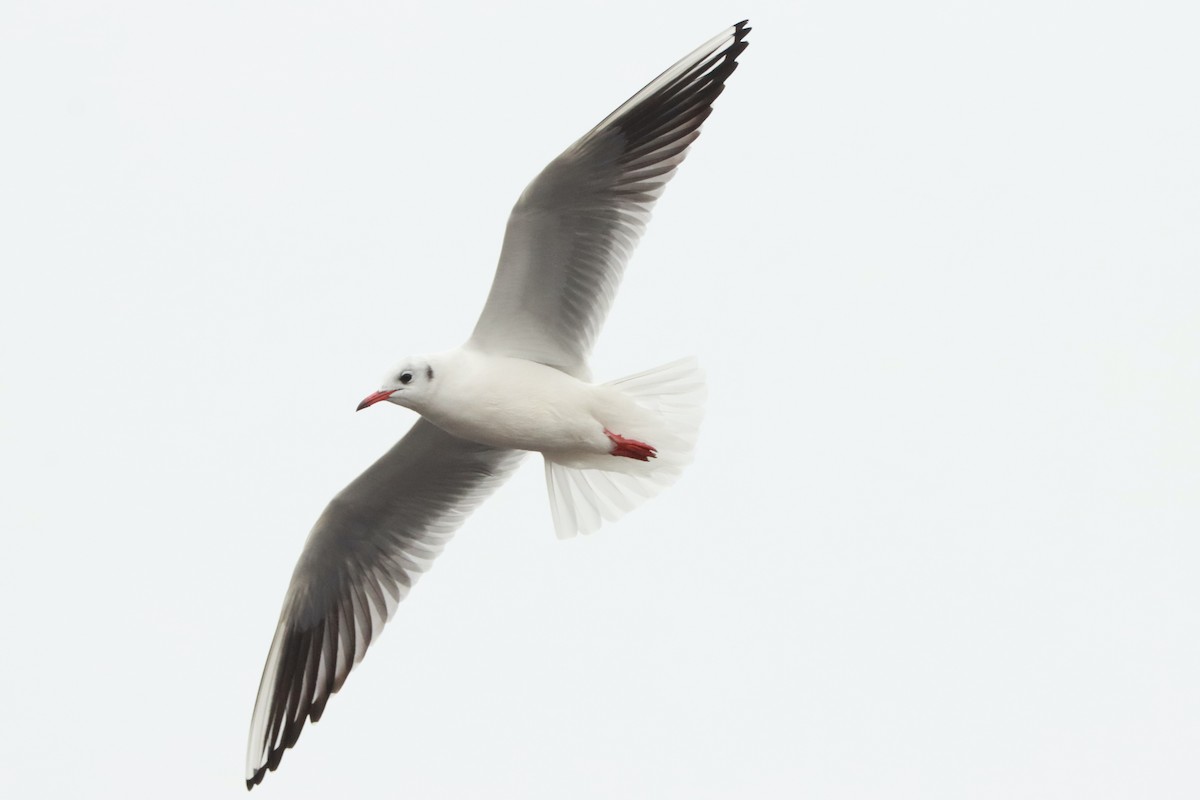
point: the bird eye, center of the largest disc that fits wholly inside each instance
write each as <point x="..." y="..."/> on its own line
<point x="406" y="377"/>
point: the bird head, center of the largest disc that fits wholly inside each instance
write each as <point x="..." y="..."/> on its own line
<point x="406" y="384"/>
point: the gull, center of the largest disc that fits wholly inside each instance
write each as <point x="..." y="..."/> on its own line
<point x="521" y="383"/>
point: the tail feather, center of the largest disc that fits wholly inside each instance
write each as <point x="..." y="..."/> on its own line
<point x="670" y="399"/>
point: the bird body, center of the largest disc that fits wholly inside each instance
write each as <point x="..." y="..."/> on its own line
<point x="519" y="404"/>
<point x="512" y="403"/>
<point x="519" y="384"/>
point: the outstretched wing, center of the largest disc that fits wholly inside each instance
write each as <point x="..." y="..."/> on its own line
<point x="574" y="228"/>
<point x="365" y="552"/>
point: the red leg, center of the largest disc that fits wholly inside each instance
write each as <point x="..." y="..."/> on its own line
<point x="630" y="448"/>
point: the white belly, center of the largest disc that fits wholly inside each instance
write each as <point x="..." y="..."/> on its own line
<point x="513" y="403"/>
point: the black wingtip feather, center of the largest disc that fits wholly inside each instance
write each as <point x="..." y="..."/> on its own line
<point x="680" y="106"/>
<point x="256" y="778"/>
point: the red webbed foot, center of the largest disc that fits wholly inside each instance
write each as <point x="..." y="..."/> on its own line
<point x="630" y="448"/>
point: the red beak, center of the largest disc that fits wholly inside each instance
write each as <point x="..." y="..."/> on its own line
<point x="374" y="398"/>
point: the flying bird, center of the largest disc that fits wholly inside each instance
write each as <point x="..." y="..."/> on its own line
<point x="520" y="383"/>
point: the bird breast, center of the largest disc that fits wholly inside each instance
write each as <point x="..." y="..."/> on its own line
<point x="514" y="403"/>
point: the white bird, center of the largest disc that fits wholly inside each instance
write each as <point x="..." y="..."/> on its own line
<point x="519" y="384"/>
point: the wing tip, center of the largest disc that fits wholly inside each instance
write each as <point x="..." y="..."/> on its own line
<point x="273" y="757"/>
<point x="740" y="31"/>
<point x="287" y="698"/>
<point x="255" y="778"/>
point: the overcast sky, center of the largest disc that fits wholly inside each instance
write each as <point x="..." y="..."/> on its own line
<point x="941" y="261"/>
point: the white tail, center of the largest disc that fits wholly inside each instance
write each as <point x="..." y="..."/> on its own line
<point x="671" y="401"/>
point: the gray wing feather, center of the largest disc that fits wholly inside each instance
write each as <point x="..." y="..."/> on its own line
<point x="573" y="229"/>
<point x="367" y="549"/>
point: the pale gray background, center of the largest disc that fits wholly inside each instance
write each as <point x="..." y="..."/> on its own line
<point x="940" y="261"/>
